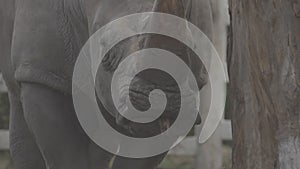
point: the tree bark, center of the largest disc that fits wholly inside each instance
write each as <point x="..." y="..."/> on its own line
<point x="265" y="84"/>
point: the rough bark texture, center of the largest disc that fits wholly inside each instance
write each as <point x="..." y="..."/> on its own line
<point x="265" y="84"/>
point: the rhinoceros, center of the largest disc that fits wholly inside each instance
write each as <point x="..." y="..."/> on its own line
<point x="40" y="42"/>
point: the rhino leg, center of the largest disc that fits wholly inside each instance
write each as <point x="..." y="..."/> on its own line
<point x="51" y="118"/>
<point x="24" y="150"/>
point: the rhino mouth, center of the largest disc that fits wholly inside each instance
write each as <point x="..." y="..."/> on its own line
<point x="139" y="91"/>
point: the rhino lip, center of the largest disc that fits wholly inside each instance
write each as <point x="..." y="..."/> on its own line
<point x="140" y="89"/>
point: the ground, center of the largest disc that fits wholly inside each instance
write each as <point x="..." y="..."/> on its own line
<point x="170" y="162"/>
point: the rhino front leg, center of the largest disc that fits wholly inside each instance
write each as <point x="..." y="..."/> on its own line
<point x="51" y="118"/>
<point x="24" y="150"/>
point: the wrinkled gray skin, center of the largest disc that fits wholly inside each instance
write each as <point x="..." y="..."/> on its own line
<point x="39" y="43"/>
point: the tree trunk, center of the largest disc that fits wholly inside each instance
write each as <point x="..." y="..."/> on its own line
<point x="264" y="70"/>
